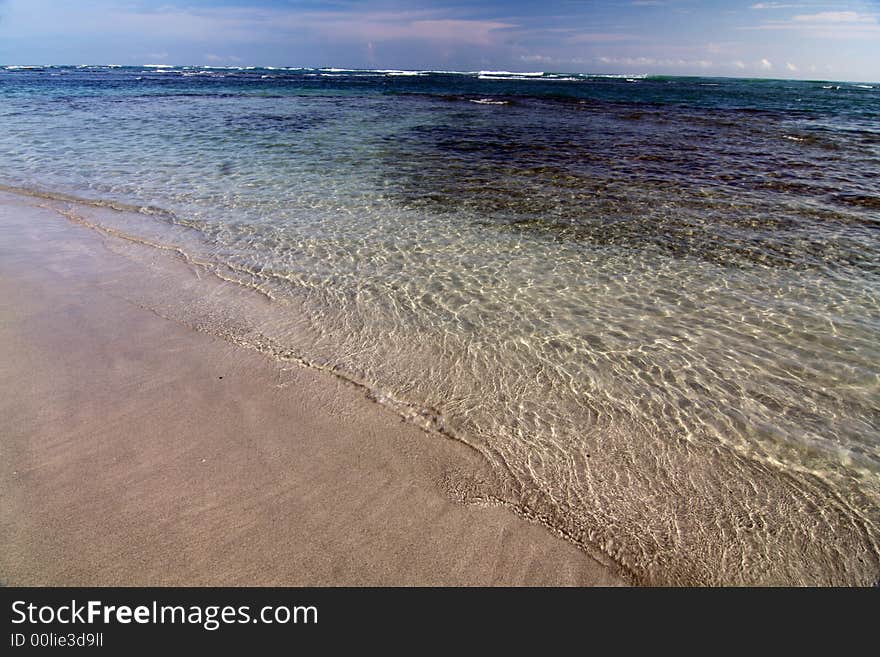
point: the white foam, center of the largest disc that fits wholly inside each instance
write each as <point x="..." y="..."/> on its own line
<point x="618" y="76"/>
<point x="452" y="72"/>
<point x="488" y="101"/>
<point x="527" y="79"/>
<point x="536" y="74"/>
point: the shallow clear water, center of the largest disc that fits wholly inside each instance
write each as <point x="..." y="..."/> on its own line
<point x="652" y="304"/>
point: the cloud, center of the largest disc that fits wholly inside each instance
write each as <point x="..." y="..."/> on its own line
<point x="211" y="57"/>
<point x="790" y="66"/>
<point x="831" y="24"/>
<point x="230" y="25"/>
<point x="739" y="64"/>
<point x="600" y="37"/>
<point x="653" y="62"/>
<point x="379" y="27"/>
<point x="450" y="30"/>
<point x="765" y="64"/>
<point x="835" y="17"/>
<point x="245" y="25"/>
<point x="724" y="47"/>
<point x="776" y="5"/>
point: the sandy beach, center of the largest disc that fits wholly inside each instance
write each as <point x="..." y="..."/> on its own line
<point x="137" y="451"/>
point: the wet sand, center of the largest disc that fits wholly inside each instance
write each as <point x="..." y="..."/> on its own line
<point x="137" y="451"/>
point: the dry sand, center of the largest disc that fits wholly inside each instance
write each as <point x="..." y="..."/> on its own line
<point x="136" y="451"/>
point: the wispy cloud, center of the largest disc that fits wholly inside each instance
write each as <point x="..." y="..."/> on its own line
<point x="600" y="37"/>
<point x="830" y="24"/>
<point x="541" y="59"/>
<point x="387" y="28"/>
<point x="776" y="5"/>
<point x="218" y="59"/>
<point x="847" y="17"/>
<point x="654" y="62"/>
<point x="241" y="24"/>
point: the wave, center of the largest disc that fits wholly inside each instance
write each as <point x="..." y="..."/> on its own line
<point x="452" y="72"/>
<point x="150" y="210"/>
<point x="617" y="76"/>
<point x="528" y="79"/>
<point x="536" y="74"/>
<point x="399" y="72"/>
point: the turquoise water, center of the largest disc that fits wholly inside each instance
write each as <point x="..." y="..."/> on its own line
<point x="651" y="304"/>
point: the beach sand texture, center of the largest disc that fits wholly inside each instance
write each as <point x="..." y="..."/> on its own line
<point x="137" y="451"/>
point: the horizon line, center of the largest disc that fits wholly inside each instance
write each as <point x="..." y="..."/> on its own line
<point x="435" y="71"/>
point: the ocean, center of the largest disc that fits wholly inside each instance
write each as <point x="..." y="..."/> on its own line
<point x="651" y="304"/>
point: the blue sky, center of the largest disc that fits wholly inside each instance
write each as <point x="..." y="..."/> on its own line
<point x="783" y="38"/>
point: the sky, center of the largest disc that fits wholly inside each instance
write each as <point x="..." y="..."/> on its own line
<point x="807" y="39"/>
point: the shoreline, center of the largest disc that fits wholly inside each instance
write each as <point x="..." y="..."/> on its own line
<point x="142" y="452"/>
